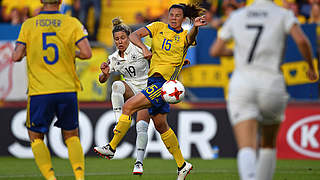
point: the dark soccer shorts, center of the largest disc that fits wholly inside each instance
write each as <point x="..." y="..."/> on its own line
<point x="153" y="93"/>
<point x="43" y="108"/>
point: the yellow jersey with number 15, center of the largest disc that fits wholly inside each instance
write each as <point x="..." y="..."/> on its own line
<point x="51" y="40"/>
<point x="169" y="48"/>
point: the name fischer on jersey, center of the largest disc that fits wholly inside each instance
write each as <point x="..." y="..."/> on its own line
<point x="48" y="22"/>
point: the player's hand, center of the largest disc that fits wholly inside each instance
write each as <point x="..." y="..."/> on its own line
<point x="312" y="75"/>
<point x="104" y="67"/>
<point x="200" y="21"/>
<point x="186" y="62"/>
<point x="146" y="53"/>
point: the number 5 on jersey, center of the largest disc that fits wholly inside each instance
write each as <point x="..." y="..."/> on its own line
<point x="46" y="45"/>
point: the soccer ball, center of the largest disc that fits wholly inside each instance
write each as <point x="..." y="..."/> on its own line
<point x="172" y="91"/>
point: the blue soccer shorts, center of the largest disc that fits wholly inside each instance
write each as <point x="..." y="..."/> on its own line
<point x="41" y="110"/>
<point x="153" y="93"/>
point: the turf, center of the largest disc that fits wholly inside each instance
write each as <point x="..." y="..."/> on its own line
<point x="155" y="169"/>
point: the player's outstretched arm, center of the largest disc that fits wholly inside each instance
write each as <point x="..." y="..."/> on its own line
<point x="19" y="52"/>
<point x="304" y="46"/>
<point x="198" y="21"/>
<point x="103" y="77"/>
<point x="135" y="38"/>
<point x="85" y="49"/>
<point x="218" y="48"/>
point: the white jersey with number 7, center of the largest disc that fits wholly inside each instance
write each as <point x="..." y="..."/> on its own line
<point x="259" y="32"/>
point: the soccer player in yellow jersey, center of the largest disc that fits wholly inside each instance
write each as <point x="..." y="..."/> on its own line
<point x="169" y="47"/>
<point x="49" y="41"/>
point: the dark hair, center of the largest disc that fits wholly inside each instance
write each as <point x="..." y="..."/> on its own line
<point x="232" y="6"/>
<point x="119" y="26"/>
<point x="50" y="1"/>
<point x="189" y="10"/>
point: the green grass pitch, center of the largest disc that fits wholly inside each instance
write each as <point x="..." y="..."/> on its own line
<point x="154" y="169"/>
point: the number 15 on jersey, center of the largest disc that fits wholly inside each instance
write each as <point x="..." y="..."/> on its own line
<point x="166" y="45"/>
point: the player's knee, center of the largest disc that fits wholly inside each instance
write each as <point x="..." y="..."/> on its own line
<point x="142" y="126"/>
<point x="127" y="108"/>
<point x="161" y="127"/>
<point x="118" y="87"/>
<point x="70" y="133"/>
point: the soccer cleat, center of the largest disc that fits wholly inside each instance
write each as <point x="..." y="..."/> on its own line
<point x="138" y="168"/>
<point x="182" y="173"/>
<point x="105" y="151"/>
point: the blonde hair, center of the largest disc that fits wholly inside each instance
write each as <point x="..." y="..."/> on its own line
<point x="118" y="25"/>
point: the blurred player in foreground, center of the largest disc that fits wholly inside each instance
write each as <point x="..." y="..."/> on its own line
<point x="257" y="92"/>
<point x="129" y="61"/>
<point x="169" y="46"/>
<point x="49" y="41"/>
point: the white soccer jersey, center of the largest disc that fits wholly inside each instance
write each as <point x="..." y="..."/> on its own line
<point x="257" y="30"/>
<point x="257" y="88"/>
<point x="134" y="67"/>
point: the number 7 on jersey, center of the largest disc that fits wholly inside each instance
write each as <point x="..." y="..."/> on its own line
<point x="256" y="39"/>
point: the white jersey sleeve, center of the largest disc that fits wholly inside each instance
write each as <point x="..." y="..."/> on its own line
<point x="290" y="20"/>
<point x="226" y="31"/>
<point x="111" y="63"/>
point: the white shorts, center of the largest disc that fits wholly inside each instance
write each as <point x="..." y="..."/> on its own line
<point x="257" y="95"/>
<point x="136" y="88"/>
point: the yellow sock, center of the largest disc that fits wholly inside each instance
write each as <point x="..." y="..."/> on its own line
<point x="52" y="178"/>
<point x="76" y="156"/>
<point x="43" y="159"/>
<point x="172" y="144"/>
<point x="120" y="130"/>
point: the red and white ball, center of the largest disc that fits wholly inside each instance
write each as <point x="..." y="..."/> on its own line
<point x="172" y="91"/>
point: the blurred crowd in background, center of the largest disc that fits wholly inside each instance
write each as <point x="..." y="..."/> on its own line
<point x="17" y="11"/>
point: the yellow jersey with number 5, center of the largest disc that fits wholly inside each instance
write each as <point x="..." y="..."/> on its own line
<point x="50" y="39"/>
<point x="169" y="48"/>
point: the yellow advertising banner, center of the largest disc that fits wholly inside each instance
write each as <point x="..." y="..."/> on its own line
<point x="88" y="72"/>
<point x="217" y="75"/>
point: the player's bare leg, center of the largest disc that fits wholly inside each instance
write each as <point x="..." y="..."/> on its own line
<point x="267" y="152"/>
<point x="246" y="136"/>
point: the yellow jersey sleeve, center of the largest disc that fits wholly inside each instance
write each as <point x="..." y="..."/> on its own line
<point x="153" y="28"/>
<point x="80" y="31"/>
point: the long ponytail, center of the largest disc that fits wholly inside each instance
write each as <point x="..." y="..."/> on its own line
<point x="189" y="10"/>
